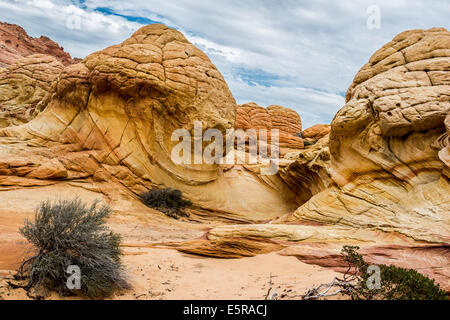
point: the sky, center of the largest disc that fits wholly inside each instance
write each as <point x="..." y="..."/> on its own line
<point x="298" y="54"/>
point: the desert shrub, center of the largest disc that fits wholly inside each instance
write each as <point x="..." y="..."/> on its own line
<point x="396" y="283"/>
<point x="310" y="142"/>
<point x="68" y="233"/>
<point x="169" y="201"/>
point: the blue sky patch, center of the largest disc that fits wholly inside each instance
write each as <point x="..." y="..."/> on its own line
<point x="141" y="20"/>
<point x="256" y="76"/>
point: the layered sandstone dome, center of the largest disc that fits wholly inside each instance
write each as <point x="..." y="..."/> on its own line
<point x="384" y="142"/>
<point x="109" y="121"/>
<point x="285" y="120"/>
<point x="23" y="85"/>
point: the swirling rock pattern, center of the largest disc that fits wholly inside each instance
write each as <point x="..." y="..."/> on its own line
<point x="108" y="121"/>
<point x="23" y="85"/>
<point x="307" y="170"/>
<point x="388" y="169"/>
<point x="384" y="160"/>
<point x="444" y="143"/>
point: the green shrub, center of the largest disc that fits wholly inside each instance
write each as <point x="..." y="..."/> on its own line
<point x="396" y="283"/>
<point x="169" y="201"/>
<point x="68" y="233"/>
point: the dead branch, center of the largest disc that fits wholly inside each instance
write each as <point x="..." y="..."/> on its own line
<point x="322" y="291"/>
<point x="268" y="295"/>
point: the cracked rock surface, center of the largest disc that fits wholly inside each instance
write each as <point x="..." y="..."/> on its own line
<point x="108" y="124"/>
<point x="388" y="168"/>
<point x="378" y="179"/>
<point x="23" y="85"/>
<point x="384" y="143"/>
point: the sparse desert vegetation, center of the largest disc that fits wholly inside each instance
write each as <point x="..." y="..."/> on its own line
<point x="168" y="201"/>
<point x="69" y="233"/>
<point x="394" y="283"/>
<point x="108" y="127"/>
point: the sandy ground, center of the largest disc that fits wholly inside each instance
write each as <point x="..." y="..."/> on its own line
<point x="168" y="274"/>
<point x="192" y="277"/>
<point x="157" y="273"/>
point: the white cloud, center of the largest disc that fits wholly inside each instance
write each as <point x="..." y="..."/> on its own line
<point x="54" y="19"/>
<point x="211" y="48"/>
<point x="44" y="4"/>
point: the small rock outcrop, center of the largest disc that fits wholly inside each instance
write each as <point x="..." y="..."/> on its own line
<point x="23" y="85"/>
<point x="317" y="131"/>
<point x="285" y="120"/>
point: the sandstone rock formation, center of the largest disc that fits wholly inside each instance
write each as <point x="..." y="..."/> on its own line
<point x="306" y="171"/>
<point x="15" y="43"/>
<point x="317" y="131"/>
<point x="389" y="187"/>
<point x="387" y="172"/>
<point x="444" y="143"/>
<point x="379" y="179"/>
<point x="108" y="124"/>
<point x="23" y="85"/>
<point x="287" y="121"/>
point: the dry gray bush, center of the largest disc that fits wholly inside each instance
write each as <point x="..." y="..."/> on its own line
<point x="70" y="233"/>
